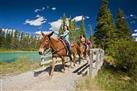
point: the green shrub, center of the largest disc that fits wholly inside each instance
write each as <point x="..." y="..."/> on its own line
<point x="125" y="54"/>
<point x="110" y="60"/>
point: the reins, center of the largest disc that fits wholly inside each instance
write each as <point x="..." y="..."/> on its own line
<point x="55" y="50"/>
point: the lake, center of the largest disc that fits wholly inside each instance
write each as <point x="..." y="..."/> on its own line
<point x="13" y="56"/>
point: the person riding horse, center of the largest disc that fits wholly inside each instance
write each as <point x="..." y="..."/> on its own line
<point x="58" y="50"/>
<point x="83" y="42"/>
<point x="65" y="37"/>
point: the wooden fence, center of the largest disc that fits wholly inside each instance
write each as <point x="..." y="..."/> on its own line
<point x="94" y="62"/>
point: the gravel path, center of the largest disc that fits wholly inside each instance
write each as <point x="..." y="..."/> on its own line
<point x="41" y="82"/>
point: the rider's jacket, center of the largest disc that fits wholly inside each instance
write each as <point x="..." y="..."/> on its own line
<point x="66" y="35"/>
<point x="56" y="33"/>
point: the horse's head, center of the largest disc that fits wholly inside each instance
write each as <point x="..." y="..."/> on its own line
<point x="44" y="42"/>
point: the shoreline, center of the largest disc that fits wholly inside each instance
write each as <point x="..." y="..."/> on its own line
<point x="13" y="51"/>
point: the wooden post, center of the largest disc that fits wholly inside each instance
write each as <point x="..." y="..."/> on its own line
<point x="91" y="62"/>
<point x="99" y="54"/>
<point x="100" y="61"/>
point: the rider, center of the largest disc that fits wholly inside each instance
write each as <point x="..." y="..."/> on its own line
<point x="83" y="40"/>
<point x="65" y="36"/>
<point x="55" y="33"/>
<point x="89" y="43"/>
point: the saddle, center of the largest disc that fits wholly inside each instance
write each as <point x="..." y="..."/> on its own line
<point x="66" y="44"/>
<point x="84" y="44"/>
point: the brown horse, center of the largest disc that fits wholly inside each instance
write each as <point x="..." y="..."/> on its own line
<point x="76" y="50"/>
<point x="58" y="49"/>
<point x="83" y="50"/>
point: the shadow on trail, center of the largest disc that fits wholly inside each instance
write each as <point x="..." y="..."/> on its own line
<point x="58" y="68"/>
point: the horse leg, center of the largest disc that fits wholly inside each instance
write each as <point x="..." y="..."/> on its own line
<point x="52" y="66"/>
<point x="63" y="64"/>
<point x="79" y="54"/>
<point x="74" y="58"/>
<point x="86" y="52"/>
<point x="80" y="57"/>
<point x="71" y="60"/>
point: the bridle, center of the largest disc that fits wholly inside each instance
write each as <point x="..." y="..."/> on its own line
<point x="49" y="46"/>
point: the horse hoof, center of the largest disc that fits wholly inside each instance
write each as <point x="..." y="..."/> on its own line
<point x="50" y="77"/>
<point x="63" y="70"/>
<point x="51" y="74"/>
<point x="71" y="67"/>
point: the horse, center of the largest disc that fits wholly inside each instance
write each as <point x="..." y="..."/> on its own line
<point x="58" y="48"/>
<point x="83" y="50"/>
<point x="76" y="50"/>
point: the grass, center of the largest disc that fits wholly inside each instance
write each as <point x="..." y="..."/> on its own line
<point x="108" y="79"/>
<point x="7" y="50"/>
<point x="22" y="64"/>
<point x="87" y="84"/>
<point x="113" y="80"/>
<point x="14" y="50"/>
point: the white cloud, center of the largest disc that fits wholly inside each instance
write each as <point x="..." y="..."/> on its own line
<point x="39" y="10"/>
<point x="131" y="15"/>
<point x="77" y="18"/>
<point x="135" y="30"/>
<point x="47" y="7"/>
<point x="55" y="25"/>
<point x="87" y="17"/>
<point x="134" y="34"/>
<point x="123" y="17"/>
<point x="45" y="32"/>
<point x="38" y="32"/>
<point x="43" y="8"/>
<point x="36" y="22"/>
<point x="38" y="16"/>
<point x="136" y="39"/>
<point x="36" y="10"/>
<point x="53" y="8"/>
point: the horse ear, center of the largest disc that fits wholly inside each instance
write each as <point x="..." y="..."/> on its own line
<point x="50" y="34"/>
<point x="42" y="34"/>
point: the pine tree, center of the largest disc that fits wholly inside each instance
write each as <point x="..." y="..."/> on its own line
<point x="13" y="41"/>
<point x="82" y="28"/>
<point x="64" y="19"/>
<point x="71" y="25"/>
<point x="91" y="34"/>
<point x="91" y="37"/>
<point x="7" y="42"/>
<point x="74" y="25"/>
<point x="105" y="27"/>
<point x="74" y="33"/>
<point x="123" y="30"/>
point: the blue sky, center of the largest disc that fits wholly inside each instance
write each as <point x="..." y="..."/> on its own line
<point x="21" y="14"/>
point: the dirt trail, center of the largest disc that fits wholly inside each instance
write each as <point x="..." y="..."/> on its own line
<point x="41" y="82"/>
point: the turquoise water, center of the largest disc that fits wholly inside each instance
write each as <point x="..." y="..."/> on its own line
<point x="13" y="56"/>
